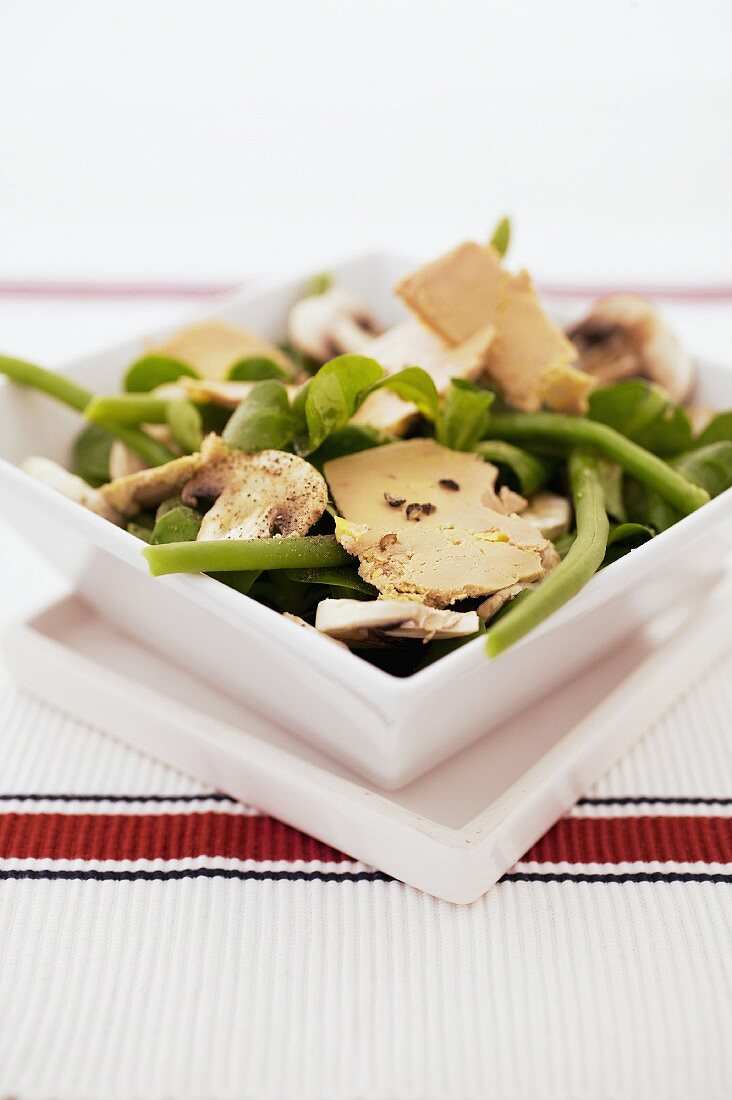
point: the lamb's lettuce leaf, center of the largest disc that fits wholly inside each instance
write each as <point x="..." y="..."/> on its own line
<point x="255" y="368"/>
<point x="709" y="466"/>
<point x="625" y="537"/>
<point x="529" y="471"/>
<point x="90" y="454"/>
<point x="335" y="393"/>
<point x="717" y="430"/>
<point x="151" y="371"/>
<point x="263" y="420"/>
<point x="186" y="424"/>
<point x="644" y="414"/>
<point x="414" y="385"/>
<point x="501" y="238"/>
<point x="347" y="441"/>
<point x="464" y="417"/>
<point x="341" y="386"/>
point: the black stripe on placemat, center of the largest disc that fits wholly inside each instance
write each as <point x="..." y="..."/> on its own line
<point x="621" y="876"/>
<point x="212" y="796"/>
<point x="348" y="876"/>
<point x="666" y="800"/>
<point x="198" y="872"/>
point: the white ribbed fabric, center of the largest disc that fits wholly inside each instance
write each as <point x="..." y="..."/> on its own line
<point x="358" y="990"/>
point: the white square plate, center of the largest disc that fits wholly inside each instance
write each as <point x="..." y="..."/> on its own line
<point x="388" y="729"/>
<point x="454" y="831"/>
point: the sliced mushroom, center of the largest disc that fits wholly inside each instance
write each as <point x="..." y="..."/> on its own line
<point x="549" y="513"/>
<point x="409" y="343"/>
<point x="623" y="336"/>
<point x="701" y="417"/>
<point x="298" y="621"/>
<point x="374" y="620"/>
<point x="494" y="603"/>
<point x="132" y="494"/>
<point x="330" y="324"/>
<point x="71" y="486"/>
<point x="123" y="461"/>
<point x="255" y="496"/>
<point x="212" y="347"/>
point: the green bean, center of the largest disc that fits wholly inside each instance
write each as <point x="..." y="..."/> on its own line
<point x="55" y="385"/>
<point x="222" y="555"/>
<point x="128" y="408"/>
<point x="63" y="389"/>
<point x="583" y="559"/>
<point x="575" y="430"/>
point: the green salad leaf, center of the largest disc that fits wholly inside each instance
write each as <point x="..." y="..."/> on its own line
<point x="464" y="416"/>
<point x="625" y="537"/>
<point x="414" y="385"/>
<point x="501" y="238"/>
<point x="186" y="425"/>
<point x="709" y="466"/>
<point x="337" y="391"/>
<point x="643" y="413"/>
<point x="345" y="578"/>
<point x="263" y="420"/>
<point x="611" y="475"/>
<point x="154" y="370"/>
<point x="90" y="454"/>
<point x="179" y="524"/>
<point x="255" y="368"/>
<point x="646" y="506"/>
<point x="531" y="472"/>
<point x="717" y="430"/>
<point x="347" y="441"/>
<point x="334" y="394"/>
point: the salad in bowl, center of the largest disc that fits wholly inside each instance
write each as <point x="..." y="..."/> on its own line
<point x="401" y="491"/>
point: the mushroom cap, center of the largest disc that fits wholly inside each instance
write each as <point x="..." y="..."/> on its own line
<point x="329" y="324"/>
<point x="255" y="496"/>
<point x="549" y="513"/>
<point x="410" y="343"/>
<point x="624" y="336"/>
<point x="212" y="347"/>
<point x="123" y="461"/>
<point x="372" y="620"/>
<point x="70" y="485"/>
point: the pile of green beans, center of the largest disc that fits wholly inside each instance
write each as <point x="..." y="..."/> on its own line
<point x="571" y="431"/>
<point x="77" y="397"/>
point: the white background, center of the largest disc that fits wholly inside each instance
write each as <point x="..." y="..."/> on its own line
<point x="193" y="139"/>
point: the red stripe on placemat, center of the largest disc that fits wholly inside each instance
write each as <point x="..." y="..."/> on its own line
<point x="636" y="840"/>
<point x="156" y="836"/>
<point x="712" y="292"/>
<point x="186" y="836"/>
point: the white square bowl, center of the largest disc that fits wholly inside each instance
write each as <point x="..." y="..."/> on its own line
<point x="390" y="730"/>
